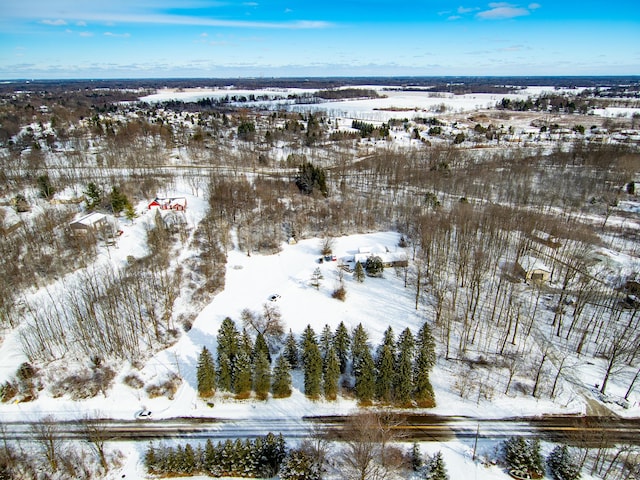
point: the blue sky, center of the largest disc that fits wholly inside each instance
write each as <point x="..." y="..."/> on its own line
<point x="197" y="38"/>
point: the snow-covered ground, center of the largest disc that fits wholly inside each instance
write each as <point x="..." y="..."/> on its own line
<point x="376" y="303"/>
<point x="251" y="280"/>
<point x="393" y="102"/>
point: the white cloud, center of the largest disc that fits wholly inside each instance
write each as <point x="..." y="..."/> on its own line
<point x="502" y="10"/>
<point x="534" y="6"/>
<point x="81" y="24"/>
<point x="144" y="12"/>
<point x="55" y="23"/>
<point x="454" y="17"/>
<point x="86" y="34"/>
<point x="119" y="35"/>
<point x="463" y="10"/>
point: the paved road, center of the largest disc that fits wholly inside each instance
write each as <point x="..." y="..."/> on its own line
<point x="570" y="429"/>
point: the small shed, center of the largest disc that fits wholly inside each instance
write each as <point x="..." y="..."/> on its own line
<point x="91" y="223"/>
<point x="534" y="269"/>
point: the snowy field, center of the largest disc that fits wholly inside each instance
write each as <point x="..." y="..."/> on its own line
<point x="393" y="103"/>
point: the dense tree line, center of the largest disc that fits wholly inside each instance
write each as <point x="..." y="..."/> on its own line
<point x="397" y="373"/>
<point x="261" y="457"/>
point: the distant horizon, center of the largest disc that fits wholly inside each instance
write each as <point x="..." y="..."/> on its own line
<point x="318" y="78"/>
<point x="68" y="39"/>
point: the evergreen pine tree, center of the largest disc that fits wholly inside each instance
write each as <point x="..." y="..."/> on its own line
<point x="243" y="376"/>
<point x="228" y="338"/>
<point x="239" y="457"/>
<point x="425" y="361"/>
<point x="331" y="375"/>
<point x="227" y="459"/>
<point x="358" y="273"/>
<point x="403" y="382"/>
<point x="251" y="461"/>
<point x="118" y="200"/>
<point x="437" y="469"/>
<point x="206" y="374"/>
<point x="291" y="350"/>
<point x="209" y="461"/>
<point x="178" y="458"/>
<point x="385" y="364"/>
<point x="312" y="366"/>
<point x="245" y="345"/>
<point x="535" y="457"/>
<point x="389" y="340"/>
<point x="188" y="460"/>
<point x="415" y="457"/>
<point x="341" y="344"/>
<point x="310" y="177"/>
<point x="281" y="382"/>
<point x="224" y="373"/>
<point x="326" y="341"/>
<point x="93" y="196"/>
<point x="261" y="376"/>
<point x="150" y="459"/>
<point x="129" y="212"/>
<point x="359" y="345"/>
<point x="523" y="457"/>
<point x="299" y="465"/>
<point x="365" y="377"/>
<point x="308" y="338"/>
<point x="261" y="347"/>
<point x="374" y="266"/>
<point x="562" y="464"/>
<point x="272" y="453"/>
<point x="316" y="278"/>
<point x="385" y="374"/>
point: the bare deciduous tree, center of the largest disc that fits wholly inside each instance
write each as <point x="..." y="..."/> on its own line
<point x="96" y="435"/>
<point x="47" y="436"/>
<point x="366" y="454"/>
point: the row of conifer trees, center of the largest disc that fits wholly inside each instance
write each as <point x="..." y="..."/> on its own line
<point x="261" y="457"/>
<point x="396" y="372"/>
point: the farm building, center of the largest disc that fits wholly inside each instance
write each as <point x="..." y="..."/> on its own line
<point x="389" y="259"/>
<point x="533" y="269"/>
<point x="91" y="223"/>
<point x="176" y="203"/>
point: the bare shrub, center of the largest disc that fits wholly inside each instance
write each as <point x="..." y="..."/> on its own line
<point x="340" y="293"/>
<point x="134" y="381"/>
<point x="465" y="383"/>
<point x="167" y="388"/>
<point x="8" y="390"/>
<point x="85" y="384"/>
